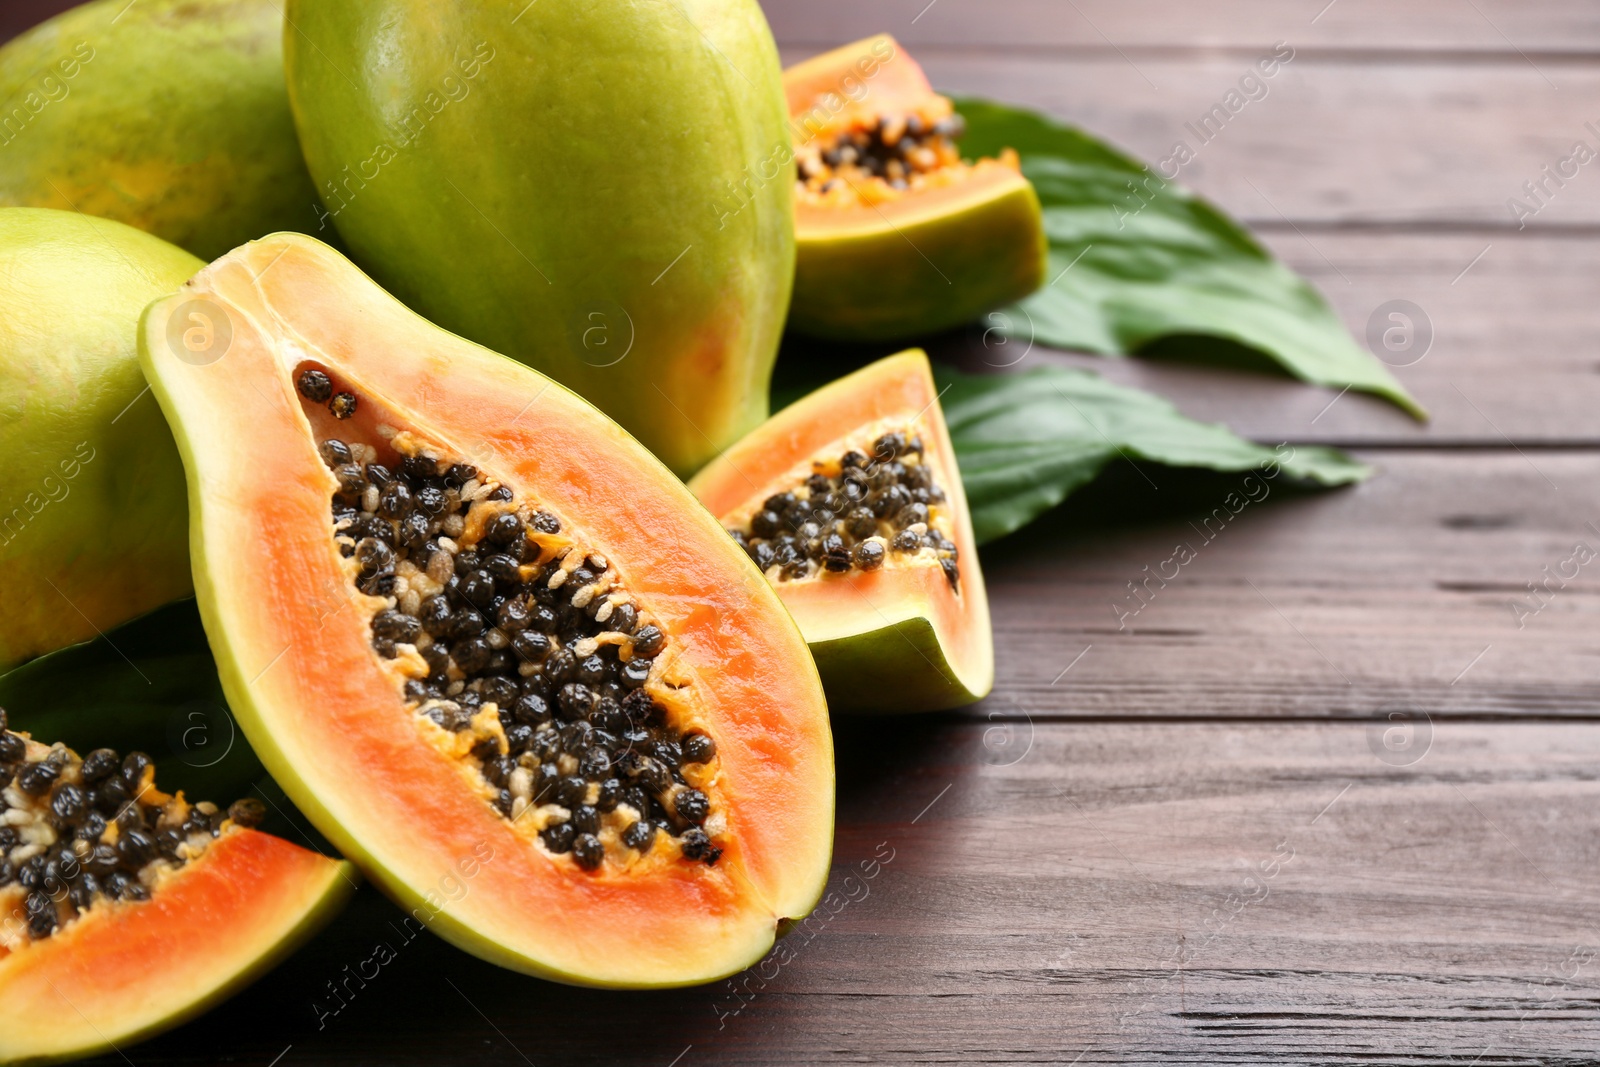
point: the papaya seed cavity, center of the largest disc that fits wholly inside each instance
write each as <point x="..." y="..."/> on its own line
<point x="521" y="649"/>
<point x="853" y="514"/>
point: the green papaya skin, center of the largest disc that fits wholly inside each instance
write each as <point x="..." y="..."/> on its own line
<point x="598" y="189"/>
<point x="920" y="277"/>
<point x="168" y="115"/>
<point x="93" y="512"/>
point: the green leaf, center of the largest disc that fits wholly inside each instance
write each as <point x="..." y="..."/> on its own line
<point x="1135" y="259"/>
<point x="1025" y="441"/>
<point x="149" y="685"/>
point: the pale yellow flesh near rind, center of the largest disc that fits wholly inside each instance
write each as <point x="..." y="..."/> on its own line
<point x="265" y="699"/>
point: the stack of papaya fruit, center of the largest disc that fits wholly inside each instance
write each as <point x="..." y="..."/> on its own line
<point x="389" y="330"/>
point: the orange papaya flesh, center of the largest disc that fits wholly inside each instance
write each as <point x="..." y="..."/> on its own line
<point x="851" y="502"/>
<point x="475" y="747"/>
<point x="125" y="910"/>
<point x="896" y="234"/>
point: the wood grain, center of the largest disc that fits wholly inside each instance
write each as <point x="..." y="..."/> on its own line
<point x="1397" y="593"/>
<point x="1560" y="30"/>
<point x="1209" y="893"/>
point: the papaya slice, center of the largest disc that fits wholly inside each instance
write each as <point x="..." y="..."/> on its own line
<point x="895" y="233"/>
<point x="850" y="502"/>
<point x="490" y="645"/>
<point x="125" y="910"/>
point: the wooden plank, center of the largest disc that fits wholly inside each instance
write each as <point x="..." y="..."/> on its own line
<point x="1397" y="594"/>
<point x="1113" y="893"/>
<point x="1546" y="31"/>
<point x="1334" y="140"/>
<point x="1510" y="357"/>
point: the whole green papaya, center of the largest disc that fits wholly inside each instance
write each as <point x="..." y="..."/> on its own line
<point x="599" y="188"/>
<point x="93" y="518"/>
<point x="168" y="115"/>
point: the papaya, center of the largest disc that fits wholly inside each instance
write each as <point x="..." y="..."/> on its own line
<point x="168" y="115"/>
<point x="488" y="644"/>
<point x="897" y="235"/>
<point x="125" y="910"/>
<point x="850" y="502"/>
<point x="600" y="190"/>
<point x="92" y="514"/>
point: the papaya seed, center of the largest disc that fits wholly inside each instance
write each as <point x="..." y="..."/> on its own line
<point x="314" y="385"/>
<point x="587" y="851"/>
<point x="343" y="405"/>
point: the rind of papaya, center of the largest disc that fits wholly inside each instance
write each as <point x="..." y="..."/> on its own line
<point x="900" y="667"/>
<point x="326" y="716"/>
<point x="124" y="972"/>
<point x="915" y="271"/>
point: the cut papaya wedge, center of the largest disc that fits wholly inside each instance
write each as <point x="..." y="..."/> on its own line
<point x="896" y="234"/>
<point x="850" y="502"/>
<point x="490" y="646"/>
<point x="125" y="911"/>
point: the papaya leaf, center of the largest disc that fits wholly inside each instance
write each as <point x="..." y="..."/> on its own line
<point x="1136" y="259"/>
<point x="149" y="685"/>
<point x="1025" y="441"/>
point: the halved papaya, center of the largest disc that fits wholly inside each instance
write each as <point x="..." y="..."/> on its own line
<point x="895" y="234"/>
<point x="464" y="618"/>
<point x="850" y="502"/>
<point x="124" y="910"/>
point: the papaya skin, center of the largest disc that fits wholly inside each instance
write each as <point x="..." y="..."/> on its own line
<point x="93" y="520"/>
<point x="898" y="668"/>
<point x="599" y="190"/>
<point x="168" y="115"/>
<point x="934" y="272"/>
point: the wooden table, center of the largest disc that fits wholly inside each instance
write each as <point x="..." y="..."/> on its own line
<point x="1329" y="797"/>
